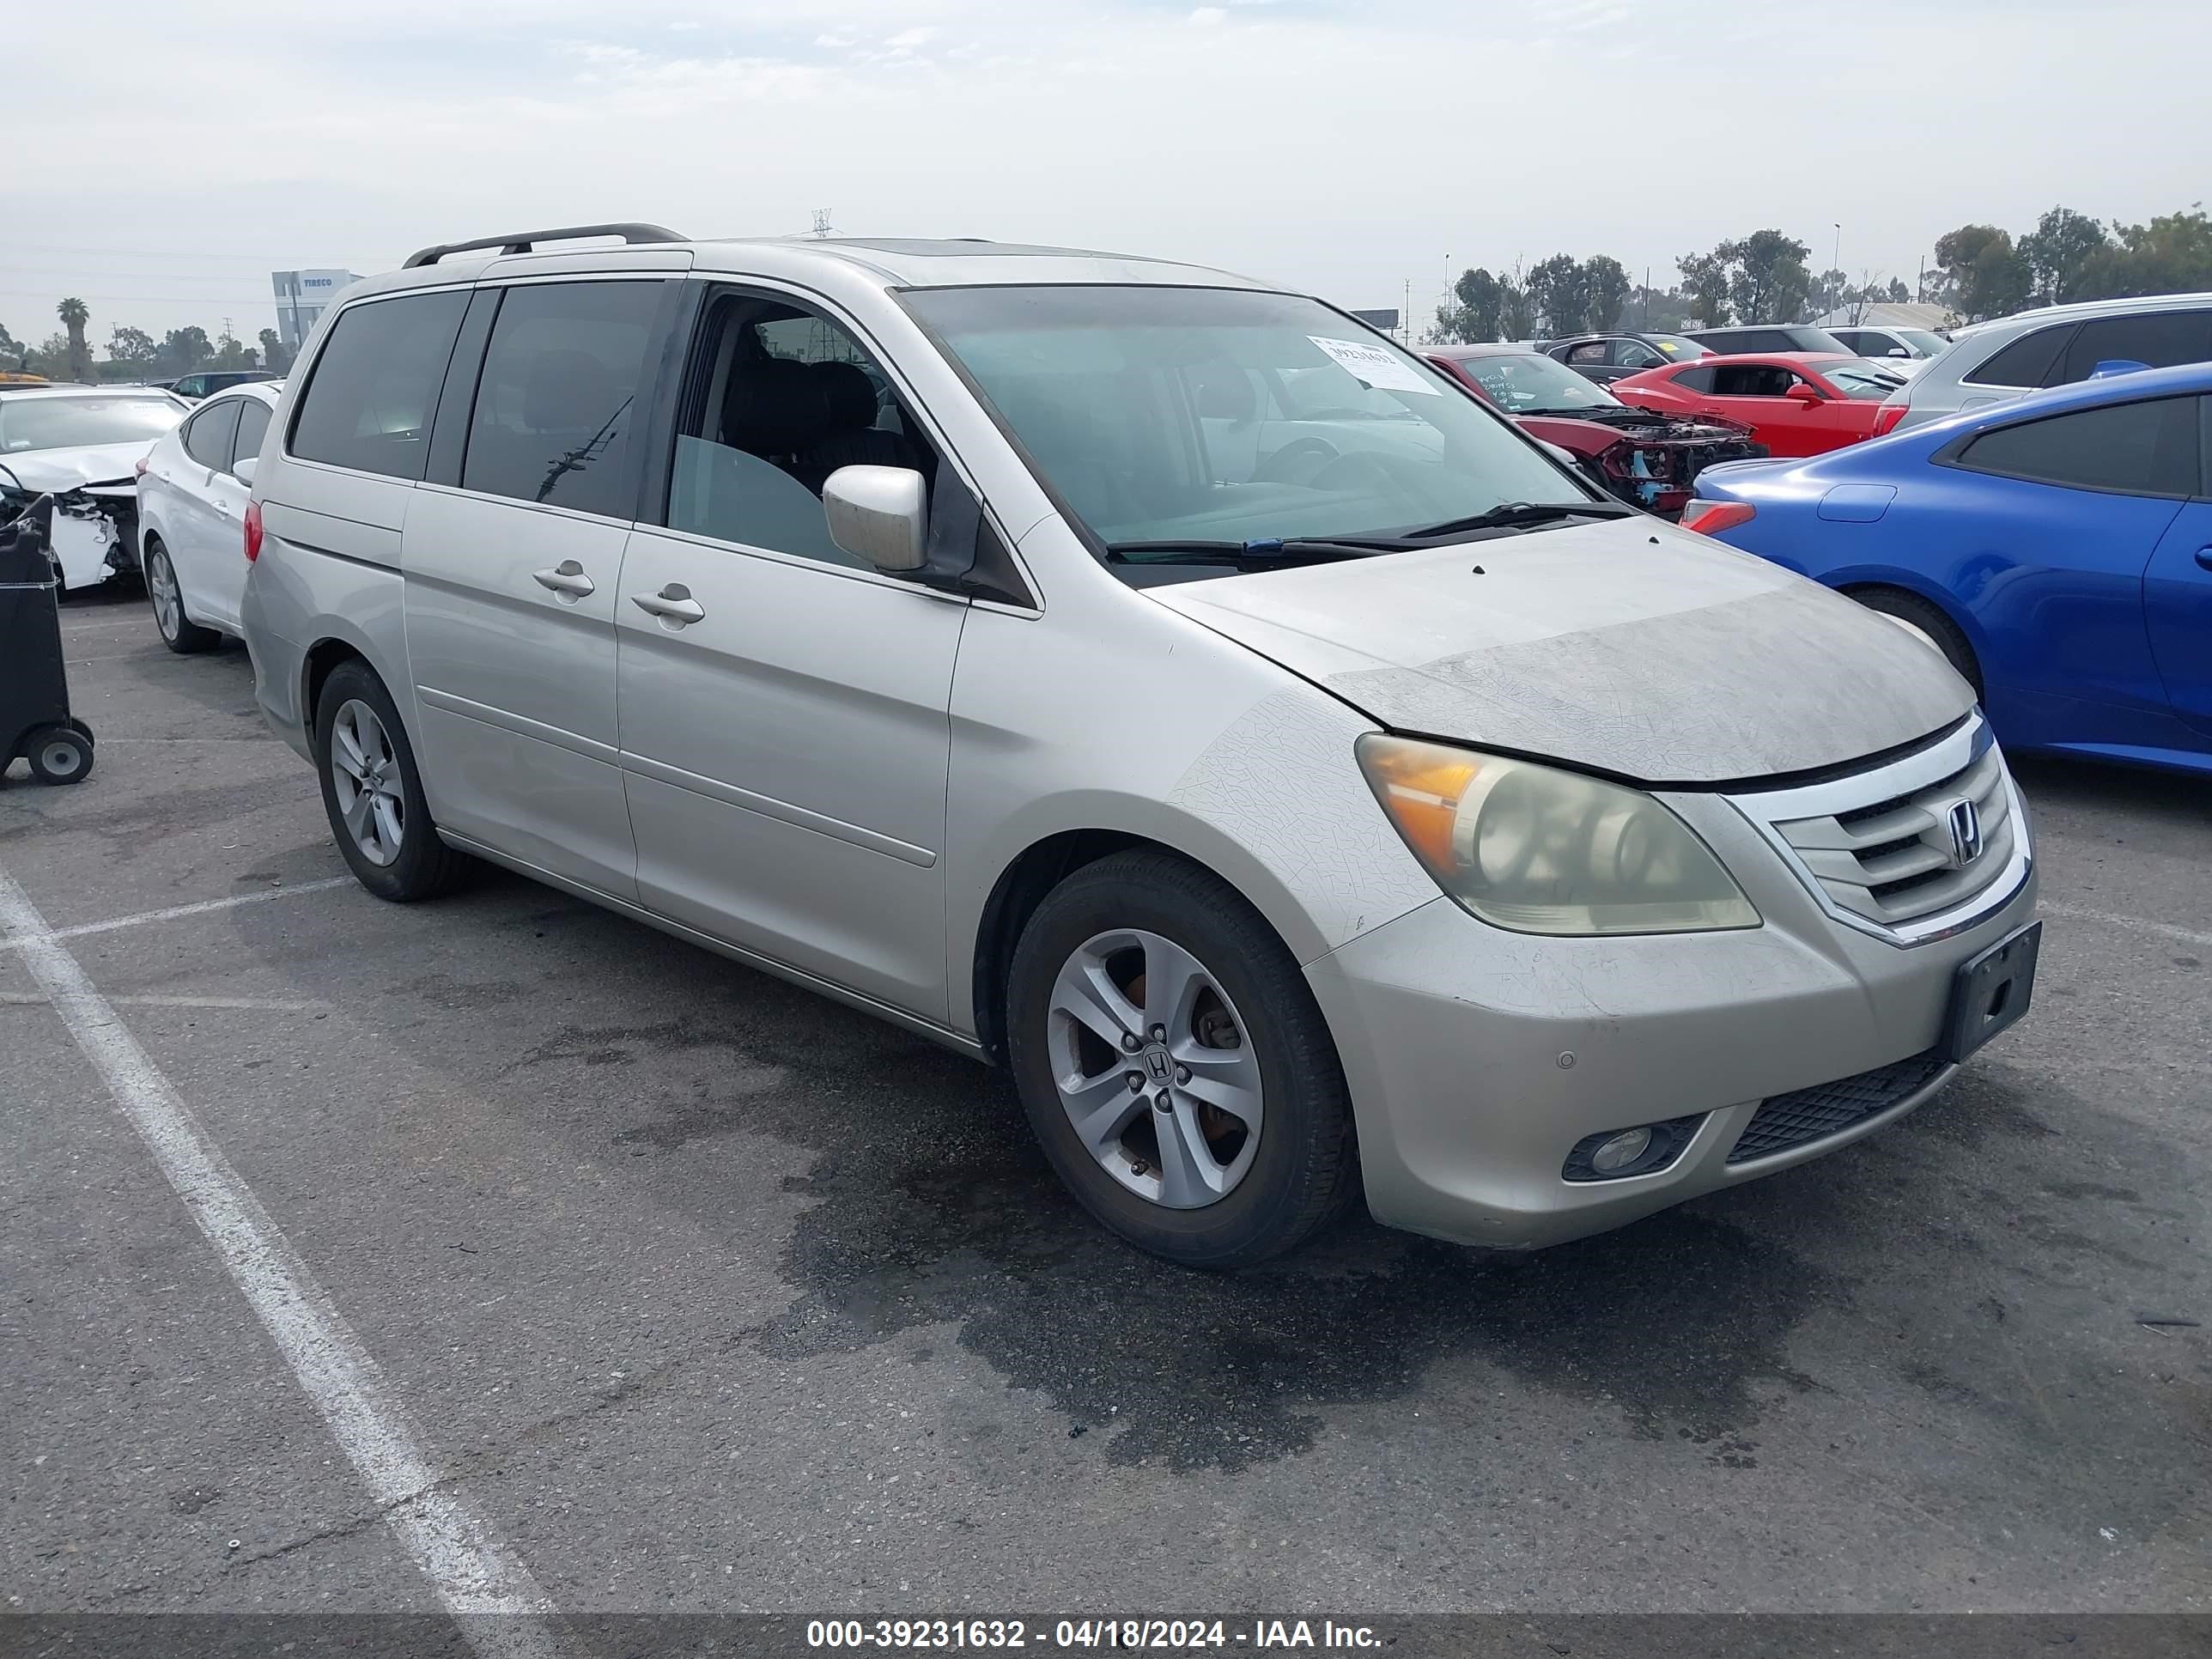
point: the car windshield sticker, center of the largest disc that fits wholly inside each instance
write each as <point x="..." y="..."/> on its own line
<point x="1377" y="366"/>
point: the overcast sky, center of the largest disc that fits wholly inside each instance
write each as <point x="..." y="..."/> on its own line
<point x="163" y="158"/>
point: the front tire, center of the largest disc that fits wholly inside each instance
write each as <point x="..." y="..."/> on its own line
<point x="1235" y="1142"/>
<point x="373" y="794"/>
<point x="178" y="631"/>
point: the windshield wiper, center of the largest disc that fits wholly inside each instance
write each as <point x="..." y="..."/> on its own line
<point x="1516" y="515"/>
<point x="1252" y="555"/>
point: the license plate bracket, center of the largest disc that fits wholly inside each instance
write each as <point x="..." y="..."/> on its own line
<point x="1990" y="991"/>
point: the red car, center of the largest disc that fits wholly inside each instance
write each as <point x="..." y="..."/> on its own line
<point x="1796" y="402"/>
<point x="1648" y="460"/>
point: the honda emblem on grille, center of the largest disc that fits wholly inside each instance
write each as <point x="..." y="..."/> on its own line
<point x="1965" y="833"/>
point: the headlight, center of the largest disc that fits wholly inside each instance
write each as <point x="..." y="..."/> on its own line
<point x="1543" y="851"/>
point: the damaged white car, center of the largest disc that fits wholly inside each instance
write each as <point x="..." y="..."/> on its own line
<point x="81" y="445"/>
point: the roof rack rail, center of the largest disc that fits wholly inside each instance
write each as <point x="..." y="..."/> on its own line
<point x="523" y="241"/>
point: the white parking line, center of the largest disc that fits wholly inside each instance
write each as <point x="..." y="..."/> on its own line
<point x="2134" y="924"/>
<point x="245" y="1005"/>
<point x="176" y="910"/>
<point x="470" y="1567"/>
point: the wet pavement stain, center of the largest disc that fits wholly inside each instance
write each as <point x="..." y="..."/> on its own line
<point x="1680" y="1324"/>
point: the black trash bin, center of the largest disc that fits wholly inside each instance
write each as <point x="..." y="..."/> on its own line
<point x="35" y="721"/>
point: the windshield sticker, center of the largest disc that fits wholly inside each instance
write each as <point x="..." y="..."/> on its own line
<point x="1377" y="366"/>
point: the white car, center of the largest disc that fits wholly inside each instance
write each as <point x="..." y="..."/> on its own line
<point x="1907" y="350"/>
<point x="191" y="516"/>
<point x="78" y="444"/>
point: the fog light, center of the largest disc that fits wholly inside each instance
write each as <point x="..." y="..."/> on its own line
<point x="1613" y="1156"/>
<point x="1616" y="1154"/>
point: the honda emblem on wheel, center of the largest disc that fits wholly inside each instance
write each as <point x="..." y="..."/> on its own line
<point x="1965" y="834"/>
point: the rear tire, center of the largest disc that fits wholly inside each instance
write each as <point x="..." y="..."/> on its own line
<point x="178" y="630"/>
<point x="1194" y="1181"/>
<point x="1917" y="616"/>
<point x="373" y="794"/>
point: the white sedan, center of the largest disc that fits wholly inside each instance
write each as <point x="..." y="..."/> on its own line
<point x="192" y="490"/>
<point x="78" y="444"/>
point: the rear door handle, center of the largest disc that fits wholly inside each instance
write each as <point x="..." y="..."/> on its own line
<point x="673" y="604"/>
<point x="566" y="578"/>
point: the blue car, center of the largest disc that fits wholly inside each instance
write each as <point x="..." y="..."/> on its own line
<point x="2057" y="549"/>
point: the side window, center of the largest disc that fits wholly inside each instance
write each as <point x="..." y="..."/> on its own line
<point x="557" y="400"/>
<point x="208" y="435"/>
<point x="1750" y="381"/>
<point x="2146" y="448"/>
<point x="782" y="399"/>
<point x="252" y="428"/>
<point x="373" y="388"/>
<point x="1696" y="380"/>
<point x="2024" y="362"/>
<point x="1591" y="352"/>
<point x="2157" y="339"/>
<point x="1863" y="342"/>
<point x="1635" y="356"/>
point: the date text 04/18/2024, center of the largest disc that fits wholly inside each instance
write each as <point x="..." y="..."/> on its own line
<point x="1128" y="1635"/>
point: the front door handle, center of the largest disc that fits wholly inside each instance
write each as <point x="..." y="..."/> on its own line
<point x="567" y="578"/>
<point x="2204" y="558"/>
<point x="672" y="604"/>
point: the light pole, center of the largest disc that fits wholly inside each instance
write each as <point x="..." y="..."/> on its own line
<point x="1836" y="262"/>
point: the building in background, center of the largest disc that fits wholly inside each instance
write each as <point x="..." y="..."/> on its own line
<point x="302" y="296"/>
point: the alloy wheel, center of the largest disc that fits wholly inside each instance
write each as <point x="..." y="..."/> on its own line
<point x="366" y="772"/>
<point x="1155" y="1068"/>
<point x="161" y="586"/>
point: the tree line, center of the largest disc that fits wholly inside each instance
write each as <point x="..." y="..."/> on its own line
<point x="1978" y="271"/>
<point x="133" y="354"/>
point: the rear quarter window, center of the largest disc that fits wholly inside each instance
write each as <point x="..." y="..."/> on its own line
<point x="369" y="398"/>
<point x="2147" y="448"/>
<point x="2026" y="361"/>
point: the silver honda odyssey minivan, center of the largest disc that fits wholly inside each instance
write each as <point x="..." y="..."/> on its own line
<point x="1147" y="680"/>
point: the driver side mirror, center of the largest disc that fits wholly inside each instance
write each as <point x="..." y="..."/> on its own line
<point x="1805" y="391"/>
<point x="879" y="514"/>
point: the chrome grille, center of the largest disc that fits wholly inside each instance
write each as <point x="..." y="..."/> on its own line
<point x="1905" y="846"/>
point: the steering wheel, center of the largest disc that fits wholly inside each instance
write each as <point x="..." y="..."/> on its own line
<point x="1361" y="469"/>
<point x="1298" y="462"/>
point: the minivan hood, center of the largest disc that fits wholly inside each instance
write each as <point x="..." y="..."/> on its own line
<point x="1628" y="647"/>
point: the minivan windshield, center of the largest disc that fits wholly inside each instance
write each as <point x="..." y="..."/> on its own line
<point x="1178" y="414"/>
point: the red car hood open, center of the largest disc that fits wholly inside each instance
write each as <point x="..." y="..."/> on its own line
<point x="1589" y="437"/>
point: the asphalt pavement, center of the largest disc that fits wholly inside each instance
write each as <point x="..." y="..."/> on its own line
<point x="695" y="1291"/>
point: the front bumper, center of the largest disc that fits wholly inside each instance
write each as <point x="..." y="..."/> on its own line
<point x="1477" y="1058"/>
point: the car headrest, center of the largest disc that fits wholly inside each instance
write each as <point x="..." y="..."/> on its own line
<point x="849" y="394"/>
<point x="774" y="406"/>
<point x="566" y="392"/>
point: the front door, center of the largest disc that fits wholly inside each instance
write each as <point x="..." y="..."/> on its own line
<point x="785" y="732"/>
<point x="513" y="570"/>
<point x="2177" y="609"/>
